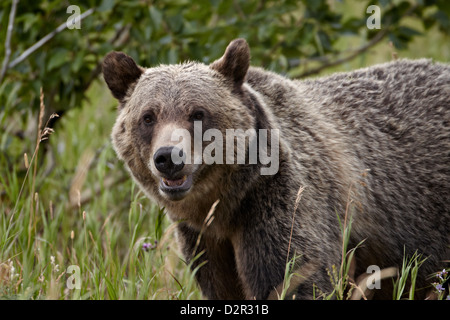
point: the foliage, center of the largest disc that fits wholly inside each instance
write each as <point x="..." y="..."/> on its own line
<point x="287" y="35"/>
<point x="74" y="202"/>
<point x="47" y="227"/>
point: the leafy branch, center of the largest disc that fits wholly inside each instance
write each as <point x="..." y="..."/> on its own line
<point x="38" y="44"/>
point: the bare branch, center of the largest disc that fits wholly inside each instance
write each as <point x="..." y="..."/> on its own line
<point x="378" y="37"/>
<point x="45" y="39"/>
<point x="9" y="30"/>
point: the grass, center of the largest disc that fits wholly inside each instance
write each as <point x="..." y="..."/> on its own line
<point x="410" y="269"/>
<point x="74" y="218"/>
<point x="83" y="213"/>
<point x="77" y="230"/>
<point x="74" y="205"/>
<point x="345" y="287"/>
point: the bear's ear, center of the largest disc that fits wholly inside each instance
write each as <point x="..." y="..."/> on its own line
<point x="120" y="72"/>
<point x="235" y="62"/>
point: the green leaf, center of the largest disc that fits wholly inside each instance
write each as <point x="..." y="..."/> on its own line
<point x="58" y="58"/>
<point x="29" y="20"/>
<point x="155" y="16"/>
<point x="77" y="62"/>
<point x="409" y="31"/>
<point x="106" y="5"/>
<point x="443" y="19"/>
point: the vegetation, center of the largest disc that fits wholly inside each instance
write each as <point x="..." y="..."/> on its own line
<point x="65" y="200"/>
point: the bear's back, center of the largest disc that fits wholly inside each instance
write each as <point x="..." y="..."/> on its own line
<point x="392" y="119"/>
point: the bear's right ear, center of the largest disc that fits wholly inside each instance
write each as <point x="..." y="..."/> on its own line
<point x="235" y="62"/>
<point x="120" y="73"/>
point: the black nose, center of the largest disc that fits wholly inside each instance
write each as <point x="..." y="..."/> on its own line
<point x="169" y="160"/>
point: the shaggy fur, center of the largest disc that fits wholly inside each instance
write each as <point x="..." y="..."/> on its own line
<point x="374" y="143"/>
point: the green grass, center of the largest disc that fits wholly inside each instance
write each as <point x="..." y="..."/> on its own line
<point x="76" y="206"/>
<point x="410" y="269"/>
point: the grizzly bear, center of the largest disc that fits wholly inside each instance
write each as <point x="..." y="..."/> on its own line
<point x="372" y="145"/>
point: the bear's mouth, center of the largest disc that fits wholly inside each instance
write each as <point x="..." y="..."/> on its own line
<point x="176" y="189"/>
<point x="174" y="183"/>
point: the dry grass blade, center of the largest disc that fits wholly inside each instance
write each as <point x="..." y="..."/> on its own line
<point x="41" y="112"/>
<point x="297" y="201"/>
<point x="79" y="178"/>
<point x="206" y="223"/>
<point x="25" y="158"/>
<point x="362" y="285"/>
<point x="295" y="280"/>
<point x="210" y="216"/>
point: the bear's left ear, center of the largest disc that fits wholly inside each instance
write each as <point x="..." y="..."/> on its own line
<point x="235" y="62"/>
<point x="120" y="73"/>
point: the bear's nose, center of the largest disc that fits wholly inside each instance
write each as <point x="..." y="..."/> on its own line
<point x="165" y="163"/>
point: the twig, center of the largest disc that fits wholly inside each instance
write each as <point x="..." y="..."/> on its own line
<point x="378" y="37"/>
<point x="9" y="30"/>
<point x="45" y="39"/>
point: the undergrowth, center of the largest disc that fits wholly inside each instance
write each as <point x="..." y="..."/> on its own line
<point x="74" y="226"/>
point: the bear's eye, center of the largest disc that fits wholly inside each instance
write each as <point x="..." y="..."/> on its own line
<point x="148" y="119"/>
<point x="198" y="115"/>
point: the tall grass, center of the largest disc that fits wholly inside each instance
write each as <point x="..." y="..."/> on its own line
<point x="85" y="212"/>
<point x="344" y="286"/>
<point x="74" y="205"/>
<point x="408" y="274"/>
<point x="54" y="220"/>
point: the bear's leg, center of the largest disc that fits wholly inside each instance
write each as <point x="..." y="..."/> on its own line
<point x="261" y="258"/>
<point x="217" y="278"/>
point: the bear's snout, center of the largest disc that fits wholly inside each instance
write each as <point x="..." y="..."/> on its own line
<point x="165" y="162"/>
<point x="174" y="183"/>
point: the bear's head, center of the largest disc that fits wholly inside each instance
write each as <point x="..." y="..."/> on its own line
<point x="173" y="121"/>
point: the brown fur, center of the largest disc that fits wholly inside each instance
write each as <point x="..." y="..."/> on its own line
<point x="392" y="119"/>
<point x="120" y="63"/>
